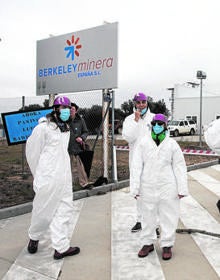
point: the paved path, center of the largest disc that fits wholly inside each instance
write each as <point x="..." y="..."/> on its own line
<point x="101" y="227"/>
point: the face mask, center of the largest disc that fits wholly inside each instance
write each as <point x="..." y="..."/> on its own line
<point x="158" y="128"/>
<point x="143" y="111"/>
<point x="64" y="114"/>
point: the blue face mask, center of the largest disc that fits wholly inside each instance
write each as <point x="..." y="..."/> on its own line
<point x="64" y="114"/>
<point x="143" y="111"/>
<point x="158" y="128"/>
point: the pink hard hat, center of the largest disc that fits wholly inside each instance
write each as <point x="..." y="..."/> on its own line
<point x="62" y="100"/>
<point x="160" y="117"/>
<point x="140" y="96"/>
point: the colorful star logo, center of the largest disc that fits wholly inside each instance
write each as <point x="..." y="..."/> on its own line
<point x="73" y="47"/>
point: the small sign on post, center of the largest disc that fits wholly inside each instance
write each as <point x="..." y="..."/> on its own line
<point x="19" y="125"/>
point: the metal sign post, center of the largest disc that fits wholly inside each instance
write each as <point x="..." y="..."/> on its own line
<point x="105" y="101"/>
<point x="51" y="99"/>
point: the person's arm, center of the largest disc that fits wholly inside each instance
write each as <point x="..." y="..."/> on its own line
<point x="84" y="130"/>
<point x="180" y="171"/>
<point x="129" y="129"/>
<point x="136" y="171"/>
<point x="34" y="146"/>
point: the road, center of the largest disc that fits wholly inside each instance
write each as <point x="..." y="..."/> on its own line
<point x="101" y="227"/>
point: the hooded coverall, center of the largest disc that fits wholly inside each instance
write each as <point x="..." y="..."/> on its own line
<point x="158" y="175"/>
<point x="48" y="159"/>
<point x="212" y="136"/>
<point x="132" y="131"/>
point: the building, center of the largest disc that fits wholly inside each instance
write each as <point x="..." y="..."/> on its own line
<point x="186" y="104"/>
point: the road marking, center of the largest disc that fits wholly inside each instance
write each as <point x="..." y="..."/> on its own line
<point x="216" y="167"/>
<point x="207" y="181"/>
<point x="195" y="216"/>
<point x="125" y="245"/>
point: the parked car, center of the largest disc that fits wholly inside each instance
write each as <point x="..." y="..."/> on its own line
<point x="182" y="127"/>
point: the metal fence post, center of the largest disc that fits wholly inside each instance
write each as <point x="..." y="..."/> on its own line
<point x="114" y="165"/>
<point x="113" y="151"/>
<point x="22" y="145"/>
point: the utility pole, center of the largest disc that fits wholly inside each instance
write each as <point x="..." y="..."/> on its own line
<point x="172" y="102"/>
<point x="201" y="76"/>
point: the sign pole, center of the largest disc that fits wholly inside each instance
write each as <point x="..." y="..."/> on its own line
<point x="51" y="99"/>
<point x="105" y="100"/>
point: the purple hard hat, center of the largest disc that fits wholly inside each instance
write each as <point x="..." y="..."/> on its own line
<point x="160" y="117"/>
<point x="62" y="100"/>
<point x="140" y="96"/>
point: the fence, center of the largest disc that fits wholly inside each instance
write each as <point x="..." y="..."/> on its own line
<point x="90" y="107"/>
<point x="186" y="151"/>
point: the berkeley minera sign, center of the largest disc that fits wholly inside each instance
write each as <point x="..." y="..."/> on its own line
<point x="78" y="61"/>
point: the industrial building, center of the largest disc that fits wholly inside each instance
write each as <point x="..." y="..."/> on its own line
<point x="185" y="103"/>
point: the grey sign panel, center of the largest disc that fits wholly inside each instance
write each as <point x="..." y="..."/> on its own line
<point x="78" y="61"/>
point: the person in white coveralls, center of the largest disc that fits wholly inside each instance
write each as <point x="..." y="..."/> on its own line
<point x="159" y="178"/>
<point x="212" y="138"/>
<point x="49" y="162"/>
<point x="135" y="126"/>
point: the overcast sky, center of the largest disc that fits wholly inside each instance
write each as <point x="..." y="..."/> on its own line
<point x="161" y="42"/>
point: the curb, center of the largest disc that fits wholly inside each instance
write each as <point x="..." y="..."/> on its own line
<point x="101" y="190"/>
<point x="203" y="165"/>
<point x="21" y="209"/>
<point x="15" y="210"/>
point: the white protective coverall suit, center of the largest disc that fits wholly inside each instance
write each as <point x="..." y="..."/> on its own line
<point x="158" y="175"/>
<point x="212" y="136"/>
<point x="48" y="159"/>
<point x="132" y="131"/>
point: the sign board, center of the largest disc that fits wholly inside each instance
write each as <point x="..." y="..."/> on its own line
<point x="78" y="61"/>
<point x="19" y="125"/>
